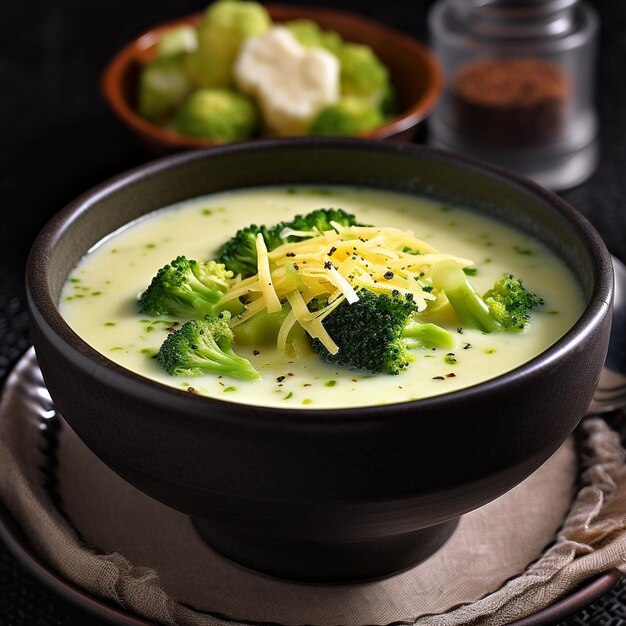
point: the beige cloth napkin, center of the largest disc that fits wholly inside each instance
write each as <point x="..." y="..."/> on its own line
<point x="496" y="567"/>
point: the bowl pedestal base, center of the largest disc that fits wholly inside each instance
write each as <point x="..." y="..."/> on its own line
<point x="326" y="561"/>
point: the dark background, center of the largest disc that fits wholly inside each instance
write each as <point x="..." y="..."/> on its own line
<point x="57" y="139"/>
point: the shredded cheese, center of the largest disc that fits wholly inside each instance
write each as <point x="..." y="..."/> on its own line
<point x="272" y="300"/>
<point x="334" y="265"/>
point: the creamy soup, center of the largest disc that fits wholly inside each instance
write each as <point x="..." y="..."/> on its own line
<point x="99" y="300"/>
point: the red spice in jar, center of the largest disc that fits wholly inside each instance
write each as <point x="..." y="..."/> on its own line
<point x="511" y="101"/>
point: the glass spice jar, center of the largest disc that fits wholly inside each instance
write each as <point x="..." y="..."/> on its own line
<point x="519" y="85"/>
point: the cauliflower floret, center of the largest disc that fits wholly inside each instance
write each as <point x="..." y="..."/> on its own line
<point x="291" y="83"/>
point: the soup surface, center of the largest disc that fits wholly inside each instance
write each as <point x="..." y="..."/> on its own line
<point x="99" y="300"/>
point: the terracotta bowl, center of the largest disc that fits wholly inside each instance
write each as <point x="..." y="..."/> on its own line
<point x="414" y="71"/>
<point x="334" y="494"/>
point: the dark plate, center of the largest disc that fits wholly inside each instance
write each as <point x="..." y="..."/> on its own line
<point x="19" y="545"/>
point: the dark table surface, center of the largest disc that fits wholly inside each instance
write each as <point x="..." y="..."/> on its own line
<point x="57" y="139"/>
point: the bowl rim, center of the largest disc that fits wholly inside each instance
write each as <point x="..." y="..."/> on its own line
<point x="110" y="80"/>
<point x="42" y="306"/>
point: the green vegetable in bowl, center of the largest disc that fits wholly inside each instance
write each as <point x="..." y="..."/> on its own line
<point x="503" y="308"/>
<point x="185" y="288"/>
<point x="177" y="41"/>
<point x="350" y="116"/>
<point x="310" y="35"/>
<point x="362" y="73"/>
<point x="163" y="87"/>
<point x="288" y="79"/>
<point x="204" y="346"/>
<point x="217" y="114"/>
<point x="224" y="27"/>
<point x="239" y="253"/>
<point x="377" y="332"/>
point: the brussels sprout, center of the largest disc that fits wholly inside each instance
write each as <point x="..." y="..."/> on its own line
<point x="218" y="114"/>
<point x="309" y="34"/>
<point x="224" y="27"/>
<point x="362" y="73"/>
<point x="177" y="41"/>
<point x="163" y="87"/>
<point x="350" y="116"/>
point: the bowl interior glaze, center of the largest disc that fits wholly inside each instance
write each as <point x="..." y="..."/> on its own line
<point x="262" y="483"/>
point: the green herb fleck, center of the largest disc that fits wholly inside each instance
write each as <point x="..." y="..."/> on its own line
<point x="109" y="323"/>
<point x="523" y="251"/>
<point x="69" y="298"/>
<point x="150" y="246"/>
<point x="552" y="312"/>
<point x="307" y="401"/>
<point x="288" y="396"/>
<point x="330" y="383"/>
<point x="96" y="293"/>
<point x="470" y="271"/>
<point x="450" y="358"/>
<point x="207" y="212"/>
<point x="490" y="351"/>
<point x="116" y="349"/>
<point x="229" y="389"/>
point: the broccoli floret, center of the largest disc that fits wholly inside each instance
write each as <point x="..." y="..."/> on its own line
<point x="315" y="222"/>
<point x="509" y="302"/>
<point x="186" y="288"/>
<point x="221" y="32"/>
<point x="217" y="114"/>
<point x="310" y="35"/>
<point x="362" y="74"/>
<point x="177" y="41"/>
<point x="503" y="308"/>
<point x="202" y="347"/>
<point x="370" y="332"/>
<point x="349" y="116"/>
<point x="238" y="254"/>
<point x="163" y="87"/>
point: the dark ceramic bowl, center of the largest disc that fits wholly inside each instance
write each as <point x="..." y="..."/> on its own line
<point x="414" y="71"/>
<point x="322" y="495"/>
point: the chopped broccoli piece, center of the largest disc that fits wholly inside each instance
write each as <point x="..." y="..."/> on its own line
<point x="427" y="335"/>
<point x="370" y="332"/>
<point x="509" y="302"/>
<point x="163" y="86"/>
<point x="186" y="288"/>
<point x="503" y="308"/>
<point x="238" y="254"/>
<point x="260" y="329"/>
<point x="362" y="74"/>
<point x="315" y="222"/>
<point x="217" y="114"/>
<point x="221" y="33"/>
<point x="310" y="35"/>
<point x="179" y="40"/>
<point x="349" y="116"/>
<point x="202" y="347"/>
